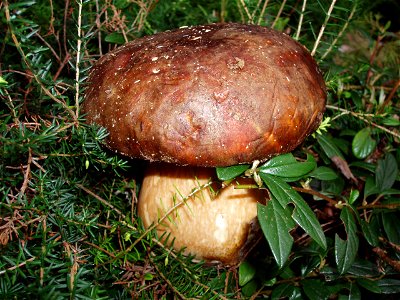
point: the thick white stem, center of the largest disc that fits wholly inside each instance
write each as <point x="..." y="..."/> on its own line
<point x="209" y="223"/>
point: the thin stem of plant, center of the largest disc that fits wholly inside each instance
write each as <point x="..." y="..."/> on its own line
<point x="123" y="216"/>
<point x="389" y="98"/>
<point x="339" y="35"/>
<point x="279" y="13"/>
<point x="322" y="29"/>
<point x="27" y="175"/>
<point x="29" y="66"/>
<point x="362" y="118"/>
<point x="11" y="106"/>
<point x="78" y="58"/>
<point x="253" y="15"/>
<point x="247" y="11"/>
<point x="315" y="193"/>
<point x="166" y="214"/>
<point x="260" y="18"/>
<point x="303" y="9"/>
<point x="161" y="274"/>
<point x="98" y="25"/>
<point x="17" y="266"/>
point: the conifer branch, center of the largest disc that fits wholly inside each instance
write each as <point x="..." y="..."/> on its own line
<point x="322" y="29"/>
<point x="361" y="117"/>
<point x="78" y="58"/>
<point x="28" y="65"/>
<point x="300" y="24"/>
<point x="278" y="15"/>
<point x="339" y="35"/>
<point x="260" y="18"/>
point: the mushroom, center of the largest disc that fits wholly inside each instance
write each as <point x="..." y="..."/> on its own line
<point x="200" y="97"/>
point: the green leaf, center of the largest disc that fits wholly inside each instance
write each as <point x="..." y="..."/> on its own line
<point x="315" y="289"/>
<point x="115" y="38"/>
<point x="390" y="223"/>
<point x="286" y="272"/>
<point x="148" y="276"/>
<point x="284" y="290"/>
<point x="354" y="194"/>
<point x="286" y="165"/>
<point x="370" y="187"/>
<point x="250" y="288"/>
<point x="246" y="273"/>
<point x="346" y="250"/>
<point x="329" y="273"/>
<point x="354" y="292"/>
<point x="302" y="213"/>
<point x="276" y="222"/>
<point x="333" y="187"/>
<point x="370" y="231"/>
<point x="364" y="165"/>
<point x="383" y="286"/>
<point x="369" y="285"/>
<point x="228" y="173"/>
<point x="386" y="172"/>
<point x="3" y="81"/>
<point x="323" y="173"/>
<point x="363" y="144"/>
<point x="391" y="121"/>
<point x="363" y="268"/>
<point x="328" y="146"/>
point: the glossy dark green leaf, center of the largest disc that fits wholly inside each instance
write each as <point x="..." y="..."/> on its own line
<point x="296" y="294"/>
<point x="286" y="165"/>
<point x="386" y="172"/>
<point x="286" y="272"/>
<point x="382" y="286"/>
<point x="363" y="144"/>
<point x="364" y="165"/>
<point x="354" y="194"/>
<point x="354" y="292"/>
<point x="329" y="273"/>
<point x="363" y="268"/>
<point x="282" y="291"/>
<point x="276" y="222"/>
<point x="370" y="187"/>
<point x="328" y="146"/>
<point x="302" y="213"/>
<point x="346" y="250"/>
<point x="370" y="231"/>
<point x="250" y="288"/>
<point x="390" y="223"/>
<point x="333" y="187"/>
<point x="369" y="285"/>
<point x="315" y="289"/>
<point x="391" y="192"/>
<point x="228" y="173"/>
<point x="323" y="173"/>
<point x="246" y="273"/>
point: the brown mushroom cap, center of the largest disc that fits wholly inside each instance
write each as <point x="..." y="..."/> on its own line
<point x="212" y="95"/>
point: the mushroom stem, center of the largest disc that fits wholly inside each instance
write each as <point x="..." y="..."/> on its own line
<point x="208" y="222"/>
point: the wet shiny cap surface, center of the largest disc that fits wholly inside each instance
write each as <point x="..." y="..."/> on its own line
<point x="211" y="95"/>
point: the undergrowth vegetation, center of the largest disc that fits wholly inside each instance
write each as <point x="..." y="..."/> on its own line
<point x="68" y="222"/>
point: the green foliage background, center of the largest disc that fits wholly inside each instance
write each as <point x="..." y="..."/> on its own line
<point x="68" y="225"/>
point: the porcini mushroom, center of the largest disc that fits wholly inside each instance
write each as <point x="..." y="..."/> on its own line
<point x="205" y="96"/>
